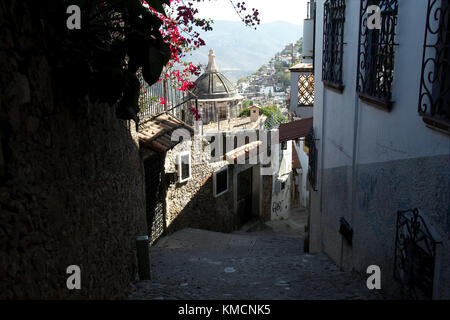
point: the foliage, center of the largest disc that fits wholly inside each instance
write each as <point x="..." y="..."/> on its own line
<point x="284" y="78"/>
<point x="299" y="45"/>
<point x="268" y="111"/>
<point x="247" y="103"/>
<point x="244" y="113"/>
<point x="274" y="120"/>
<point x="117" y="39"/>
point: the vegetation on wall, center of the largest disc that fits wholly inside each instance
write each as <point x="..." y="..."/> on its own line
<point x="119" y="38"/>
<point x="247" y="103"/>
<point x="274" y="120"/>
<point x="268" y="111"/>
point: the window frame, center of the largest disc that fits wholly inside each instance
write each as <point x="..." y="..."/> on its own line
<point x="216" y="195"/>
<point x="305" y="85"/>
<point x="180" y="167"/>
<point x="375" y="69"/>
<point x="333" y="44"/>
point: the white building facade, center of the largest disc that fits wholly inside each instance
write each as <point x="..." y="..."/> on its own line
<point x="377" y="153"/>
<point x="282" y="181"/>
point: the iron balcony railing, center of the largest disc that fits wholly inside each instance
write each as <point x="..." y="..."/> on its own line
<point x="163" y="96"/>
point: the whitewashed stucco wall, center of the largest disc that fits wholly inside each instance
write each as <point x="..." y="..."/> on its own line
<point x="303" y="158"/>
<point x="372" y="163"/>
<point x="281" y="199"/>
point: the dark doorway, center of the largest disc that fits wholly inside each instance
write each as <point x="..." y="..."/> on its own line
<point x="155" y="196"/>
<point x="244" y="195"/>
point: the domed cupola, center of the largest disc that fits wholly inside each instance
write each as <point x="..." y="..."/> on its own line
<point x="212" y="84"/>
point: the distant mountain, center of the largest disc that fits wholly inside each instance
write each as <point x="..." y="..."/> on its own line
<point x="241" y="50"/>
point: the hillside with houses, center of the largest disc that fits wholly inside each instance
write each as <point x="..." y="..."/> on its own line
<point x="271" y="83"/>
<point x="241" y="56"/>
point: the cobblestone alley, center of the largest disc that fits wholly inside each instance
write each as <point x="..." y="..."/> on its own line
<point x="270" y="264"/>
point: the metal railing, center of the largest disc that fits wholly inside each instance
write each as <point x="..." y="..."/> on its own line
<point x="434" y="99"/>
<point x="163" y="96"/>
<point x="375" y="73"/>
<point x="333" y="42"/>
<point x="274" y="120"/>
<point x="415" y="254"/>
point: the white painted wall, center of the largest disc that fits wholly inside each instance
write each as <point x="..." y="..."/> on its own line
<point x="281" y="199"/>
<point x="352" y="134"/>
<point x="382" y="136"/>
<point x="303" y="158"/>
<point x="294" y="90"/>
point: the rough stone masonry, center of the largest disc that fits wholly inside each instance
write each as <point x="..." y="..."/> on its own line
<point x="71" y="180"/>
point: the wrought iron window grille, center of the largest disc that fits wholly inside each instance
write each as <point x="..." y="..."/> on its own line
<point x="306" y="89"/>
<point x="333" y="44"/>
<point x="416" y="247"/>
<point x="375" y="73"/>
<point x="434" y="98"/>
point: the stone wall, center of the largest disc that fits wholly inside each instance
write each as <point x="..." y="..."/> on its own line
<point x="71" y="180"/>
<point x="192" y="203"/>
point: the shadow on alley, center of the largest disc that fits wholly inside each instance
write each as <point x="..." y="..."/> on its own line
<point x="266" y="264"/>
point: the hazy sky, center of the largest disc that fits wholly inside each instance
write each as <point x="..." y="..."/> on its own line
<point x="293" y="11"/>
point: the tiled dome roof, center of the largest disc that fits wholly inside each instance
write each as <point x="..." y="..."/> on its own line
<point x="212" y="84"/>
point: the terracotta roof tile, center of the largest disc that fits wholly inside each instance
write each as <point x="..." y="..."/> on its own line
<point x="295" y="129"/>
<point x="156" y="133"/>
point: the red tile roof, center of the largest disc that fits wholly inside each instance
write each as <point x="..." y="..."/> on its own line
<point x="295" y="129"/>
<point x="157" y="132"/>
